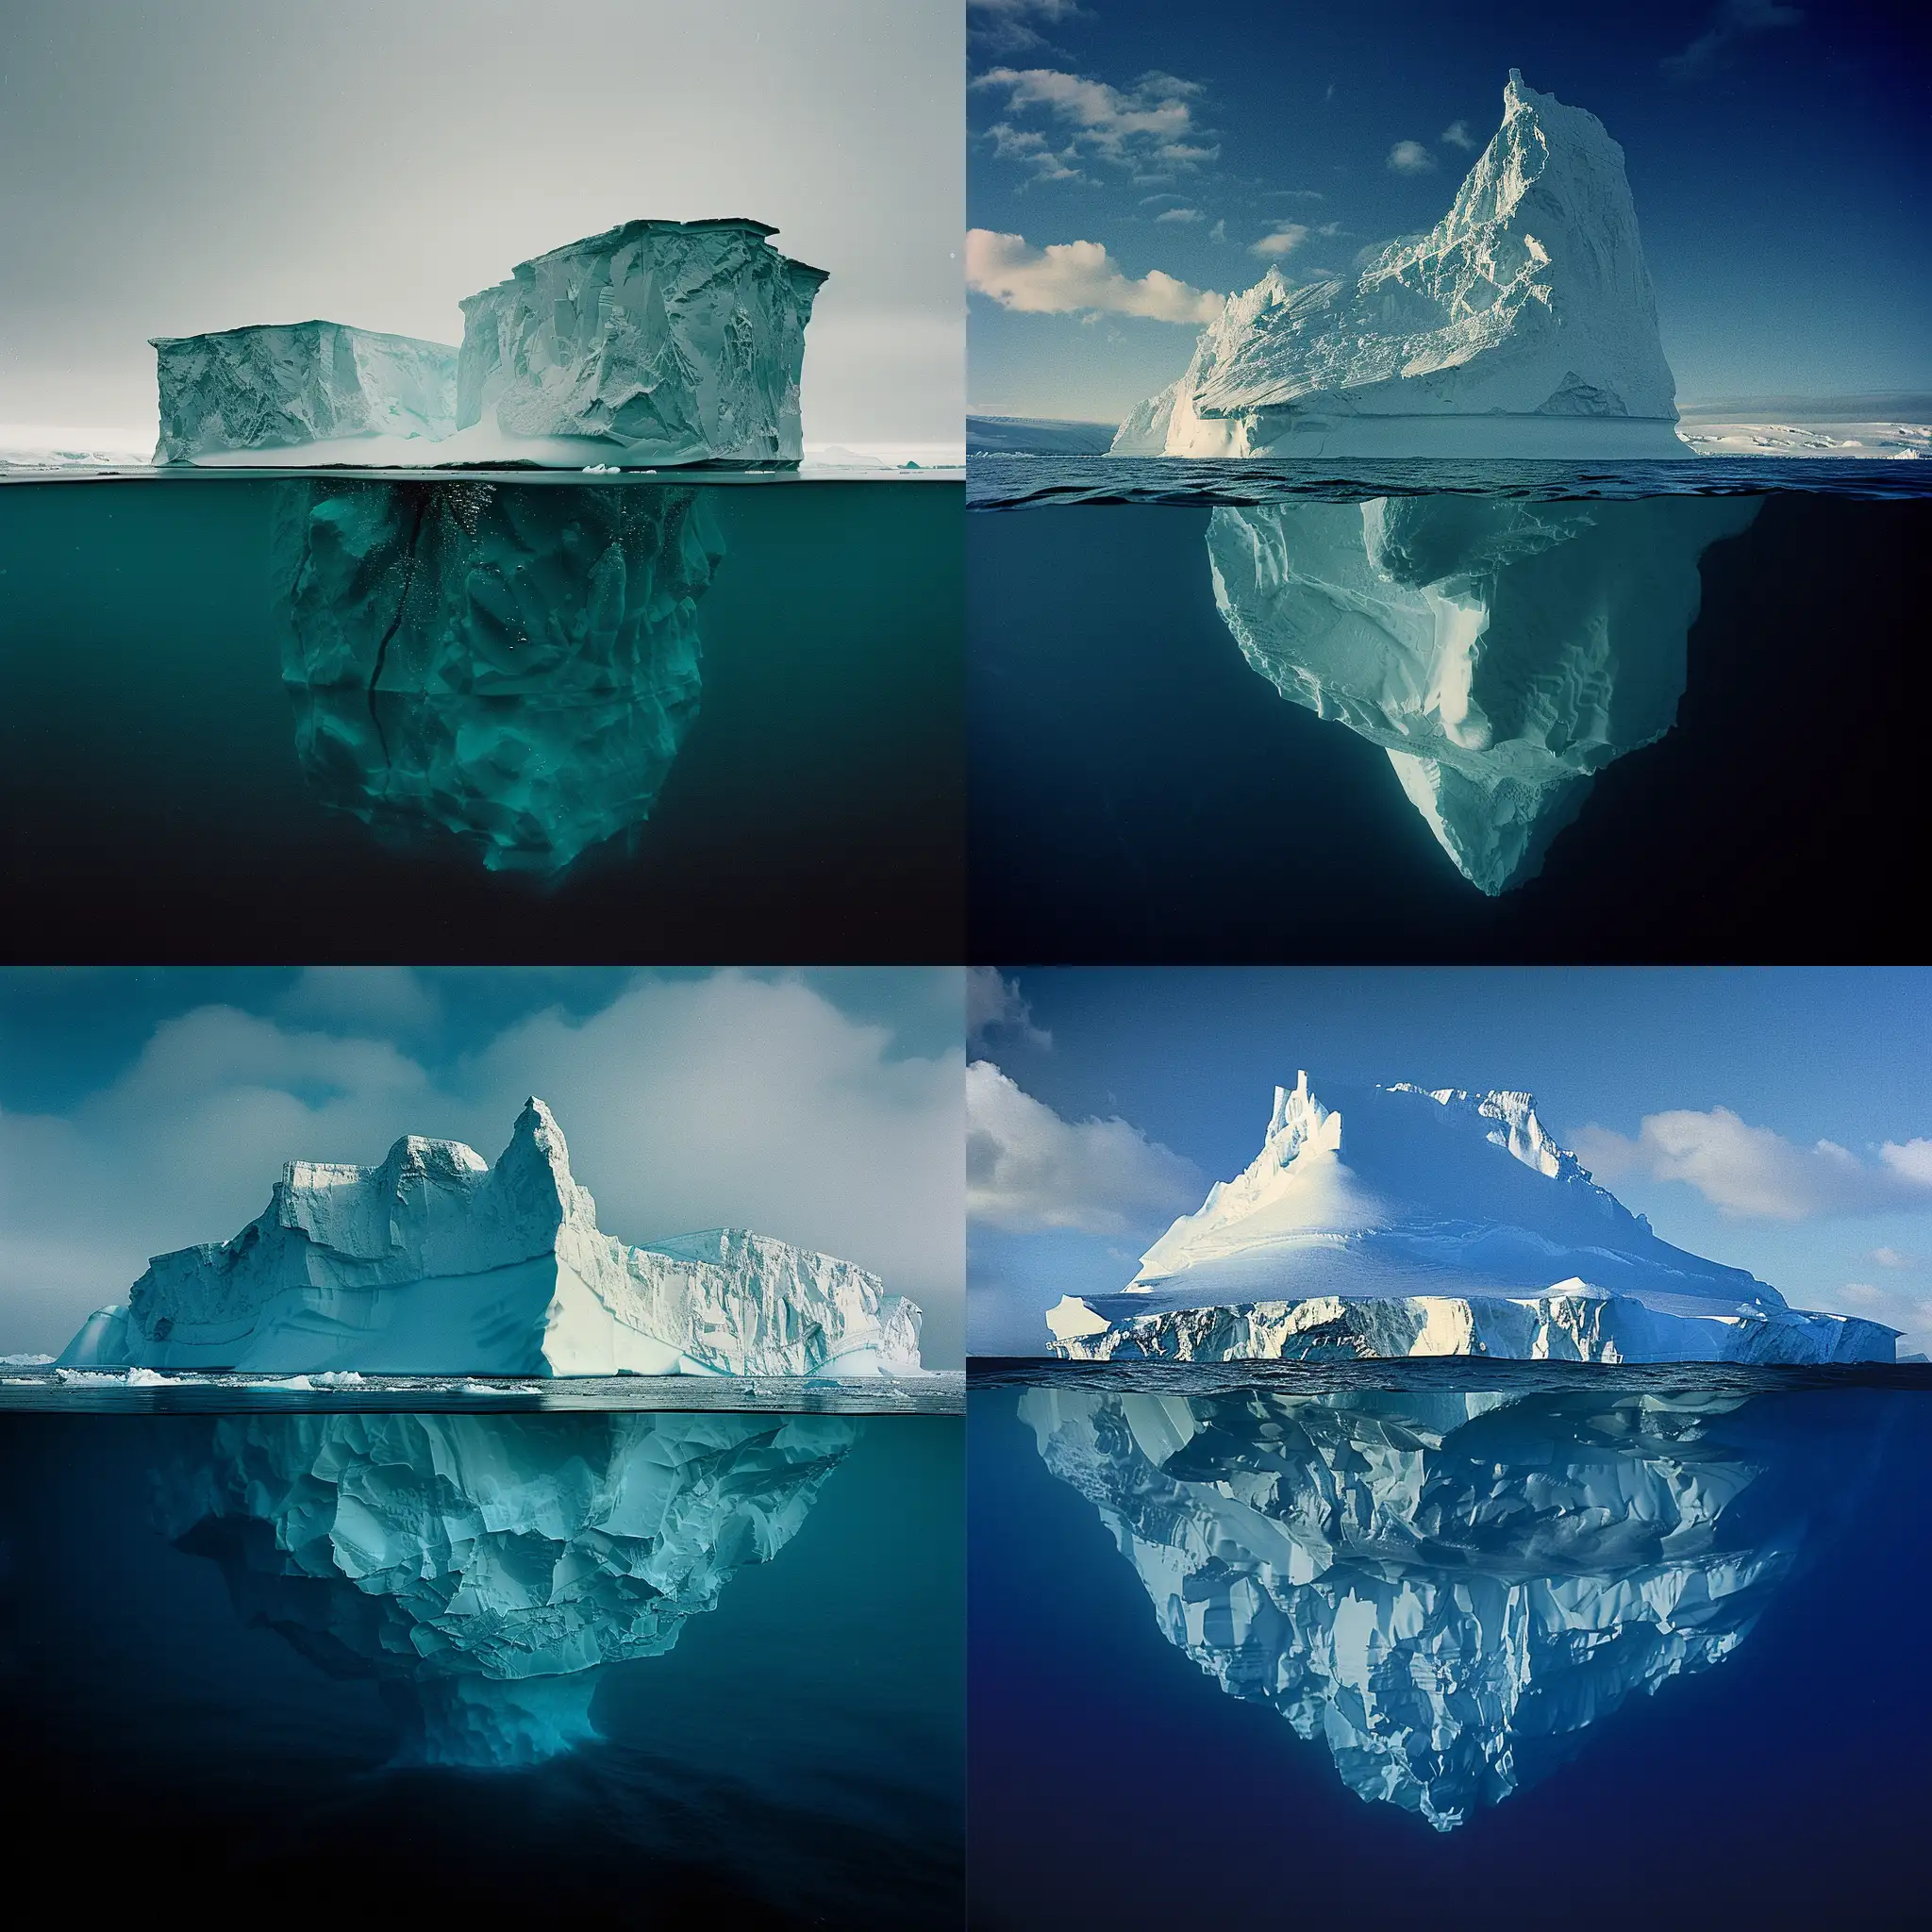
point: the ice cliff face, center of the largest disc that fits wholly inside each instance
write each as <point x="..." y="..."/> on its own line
<point x="514" y="665"/>
<point x="486" y="1570"/>
<point x="1444" y="1590"/>
<point x="670" y="342"/>
<point x="1501" y="652"/>
<point x="281" y="386"/>
<point x="655" y="342"/>
<point x="437" y="1263"/>
<point x="1400" y="1222"/>
<point x="1523" y="325"/>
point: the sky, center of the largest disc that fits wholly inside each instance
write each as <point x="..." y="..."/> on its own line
<point x="147" y="1110"/>
<point x="1774" y="1119"/>
<point x="1130" y="159"/>
<point x="195" y="165"/>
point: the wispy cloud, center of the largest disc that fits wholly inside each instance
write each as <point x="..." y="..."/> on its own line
<point x="1007" y="26"/>
<point x="1412" y="158"/>
<point x="1281" y="240"/>
<point x="1149" y="124"/>
<point x="1180" y="214"/>
<point x="1027" y="1170"/>
<point x="995" y="1005"/>
<point x="1069" y="278"/>
<point x="1457" y="135"/>
<point x="1755" y="1174"/>
<point x="1732" y="22"/>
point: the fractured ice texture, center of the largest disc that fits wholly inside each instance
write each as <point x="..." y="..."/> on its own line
<point x="486" y="1570"/>
<point x="514" y="665"/>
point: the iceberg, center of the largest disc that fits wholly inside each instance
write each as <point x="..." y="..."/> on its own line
<point x="1523" y="324"/>
<point x="655" y="342"/>
<point x="437" y="1263"/>
<point x="1501" y="652"/>
<point x="486" y="1570"/>
<point x="511" y="666"/>
<point x="1406" y="1222"/>
<point x="1445" y="1590"/>
<point x="282" y="386"/>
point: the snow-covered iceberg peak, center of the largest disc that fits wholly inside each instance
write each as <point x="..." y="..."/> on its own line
<point x="1401" y="1220"/>
<point x="1523" y="324"/>
<point x="434" y="1262"/>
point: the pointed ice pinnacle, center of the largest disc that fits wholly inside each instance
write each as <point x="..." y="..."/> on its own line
<point x="513" y="664"/>
<point x="486" y="1570"/>
<point x="437" y="1263"/>
<point x="1446" y="1590"/>
<point x="1400" y="1222"/>
<point x="1501" y="652"/>
<point x="1523" y="325"/>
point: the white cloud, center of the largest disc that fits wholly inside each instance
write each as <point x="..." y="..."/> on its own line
<point x="687" y="1104"/>
<point x="1027" y="1170"/>
<point x="1732" y="20"/>
<point x="1892" y="1257"/>
<point x="1757" y="1173"/>
<point x="1218" y="232"/>
<point x="1281" y="240"/>
<point x="1180" y="214"/>
<point x="995" y="1005"/>
<point x="1066" y="278"/>
<point x="1457" y="135"/>
<point x="1412" y="158"/>
<point x="1005" y="25"/>
<point x="1152" y="121"/>
<point x="389" y="996"/>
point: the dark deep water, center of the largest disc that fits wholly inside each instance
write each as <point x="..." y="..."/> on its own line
<point x="1715" y="1598"/>
<point x="251" y="1690"/>
<point x="1139" y="793"/>
<point x="154" y="801"/>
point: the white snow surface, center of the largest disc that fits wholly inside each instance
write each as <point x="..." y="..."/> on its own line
<point x="437" y="1263"/>
<point x="1501" y="652"/>
<point x="1398" y="1222"/>
<point x="1523" y="324"/>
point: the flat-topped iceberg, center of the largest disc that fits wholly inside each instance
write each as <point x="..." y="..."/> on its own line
<point x="1446" y="1590"/>
<point x="1523" y="324"/>
<point x="655" y="342"/>
<point x="1501" y="652"/>
<point x="486" y="1570"/>
<point x="514" y="666"/>
<point x="1400" y="1222"/>
<point x="437" y="1263"/>
<point x="275" y="387"/>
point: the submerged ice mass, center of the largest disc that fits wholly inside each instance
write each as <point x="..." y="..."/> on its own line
<point x="655" y="342"/>
<point x="1523" y="325"/>
<point x="437" y="1263"/>
<point x="515" y="666"/>
<point x="1501" y="652"/>
<point x="486" y="1570"/>
<point x="1400" y="1222"/>
<point x="1444" y="1590"/>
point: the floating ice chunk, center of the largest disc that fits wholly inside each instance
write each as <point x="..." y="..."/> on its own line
<point x="437" y="1263"/>
<point x="1400" y="1222"/>
<point x="514" y="665"/>
<point x="282" y="385"/>
<point x="1502" y="652"/>
<point x="1523" y="325"/>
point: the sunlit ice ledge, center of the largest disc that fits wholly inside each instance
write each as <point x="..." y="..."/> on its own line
<point x="436" y="1262"/>
<point x="1398" y="1222"/>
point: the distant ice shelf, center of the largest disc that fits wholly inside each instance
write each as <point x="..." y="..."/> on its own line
<point x="1395" y="1222"/>
<point x="437" y="1263"/>
<point x="653" y="344"/>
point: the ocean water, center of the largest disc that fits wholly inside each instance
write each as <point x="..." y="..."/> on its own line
<point x="523" y="718"/>
<point x="1451" y="1644"/>
<point x="691" y="1667"/>
<point x="1138" y="792"/>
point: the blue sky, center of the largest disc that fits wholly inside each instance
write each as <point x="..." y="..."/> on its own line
<point x="1775" y="152"/>
<point x="1151" y="1084"/>
<point x="146" y="1110"/>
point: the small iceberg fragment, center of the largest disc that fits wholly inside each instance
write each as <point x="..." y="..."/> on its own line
<point x="1402" y="1222"/>
<point x="435" y="1263"/>
<point x="1501" y="652"/>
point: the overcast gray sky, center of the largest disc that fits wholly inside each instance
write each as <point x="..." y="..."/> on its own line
<point x="191" y="165"/>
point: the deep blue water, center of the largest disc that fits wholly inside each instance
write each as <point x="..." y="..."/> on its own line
<point x="184" y="1697"/>
<point x="1773" y="1542"/>
<point x="165" y="795"/>
<point x="1138" y="793"/>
